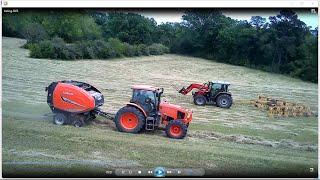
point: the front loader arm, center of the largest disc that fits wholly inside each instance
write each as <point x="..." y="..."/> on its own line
<point x="192" y="86"/>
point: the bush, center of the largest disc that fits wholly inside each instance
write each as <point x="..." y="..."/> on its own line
<point x="44" y="49"/>
<point x="27" y="45"/>
<point x="86" y="50"/>
<point x="158" y="49"/>
<point x="64" y="51"/>
<point x="137" y="50"/>
<point x="144" y="49"/>
<point x="105" y="50"/>
<point x="100" y="49"/>
<point x="34" y="32"/>
<point x="129" y="50"/>
<point x="97" y="49"/>
<point x="118" y="46"/>
<point x="70" y="52"/>
<point x="55" y="49"/>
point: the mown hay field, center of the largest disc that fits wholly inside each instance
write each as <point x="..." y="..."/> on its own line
<point x="242" y="140"/>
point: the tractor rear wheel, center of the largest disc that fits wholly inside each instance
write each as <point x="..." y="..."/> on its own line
<point x="60" y="119"/>
<point x="129" y="119"/>
<point x="176" y="129"/>
<point x="224" y="101"/>
<point x="199" y="100"/>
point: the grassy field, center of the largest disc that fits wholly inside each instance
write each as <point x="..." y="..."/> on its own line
<point x="238" y="141"/>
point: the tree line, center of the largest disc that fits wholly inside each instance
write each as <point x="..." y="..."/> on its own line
<point x="283" y="44"/>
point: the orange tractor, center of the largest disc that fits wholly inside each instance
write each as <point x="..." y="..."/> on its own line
<point x="76" y="102"/>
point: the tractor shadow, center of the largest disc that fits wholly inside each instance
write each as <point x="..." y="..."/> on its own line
<point x="110" y="125"/>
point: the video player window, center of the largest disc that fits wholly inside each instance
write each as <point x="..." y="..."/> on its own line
<point x="237" y="89"/>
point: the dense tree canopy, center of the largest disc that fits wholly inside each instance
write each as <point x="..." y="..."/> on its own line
<point x="281" y="44"/>
<point x="128" y="27"/>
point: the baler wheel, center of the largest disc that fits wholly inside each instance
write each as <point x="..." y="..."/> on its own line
<point x="78" y="120"/>
<point x="60" y="119"/>
<point x="78" y="123"/>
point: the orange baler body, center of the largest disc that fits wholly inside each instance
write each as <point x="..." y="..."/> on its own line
<point x="71" y="98"/>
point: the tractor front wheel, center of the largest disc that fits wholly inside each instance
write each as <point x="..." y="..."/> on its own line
<point x="129" y="119"/>
<point x="176" y="129"/>
<point x="224" y="101"/>
<point x="199" y="100"/>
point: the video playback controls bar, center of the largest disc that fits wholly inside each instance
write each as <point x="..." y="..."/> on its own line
<point x="161" y="172"/>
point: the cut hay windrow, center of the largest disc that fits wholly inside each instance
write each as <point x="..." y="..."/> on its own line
<point x="281" y="108"/>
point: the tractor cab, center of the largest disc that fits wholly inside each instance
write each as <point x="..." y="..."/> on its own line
<point x="147" y="97"/>
<point x="218" y="86"/>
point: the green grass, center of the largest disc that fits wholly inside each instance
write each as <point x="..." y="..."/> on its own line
<point x="41" y="141"/>
<point x="32" y="144"/>
<point x="302" y="136"/>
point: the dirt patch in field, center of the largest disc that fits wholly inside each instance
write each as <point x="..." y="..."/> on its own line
<point x="284" y="143"/>
<point x="105" y="124"/>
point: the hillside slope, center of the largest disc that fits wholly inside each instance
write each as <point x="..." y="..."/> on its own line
<point x="240" y="140"/>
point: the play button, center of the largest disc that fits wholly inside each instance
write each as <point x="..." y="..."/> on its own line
<point x="159" y="172"/>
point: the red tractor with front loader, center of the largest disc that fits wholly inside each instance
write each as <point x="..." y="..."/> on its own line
<point x="210" y="93"/>
<point x="75" y="102"/>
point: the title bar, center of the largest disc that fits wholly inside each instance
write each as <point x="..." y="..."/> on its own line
<point x="158" y="4"/>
